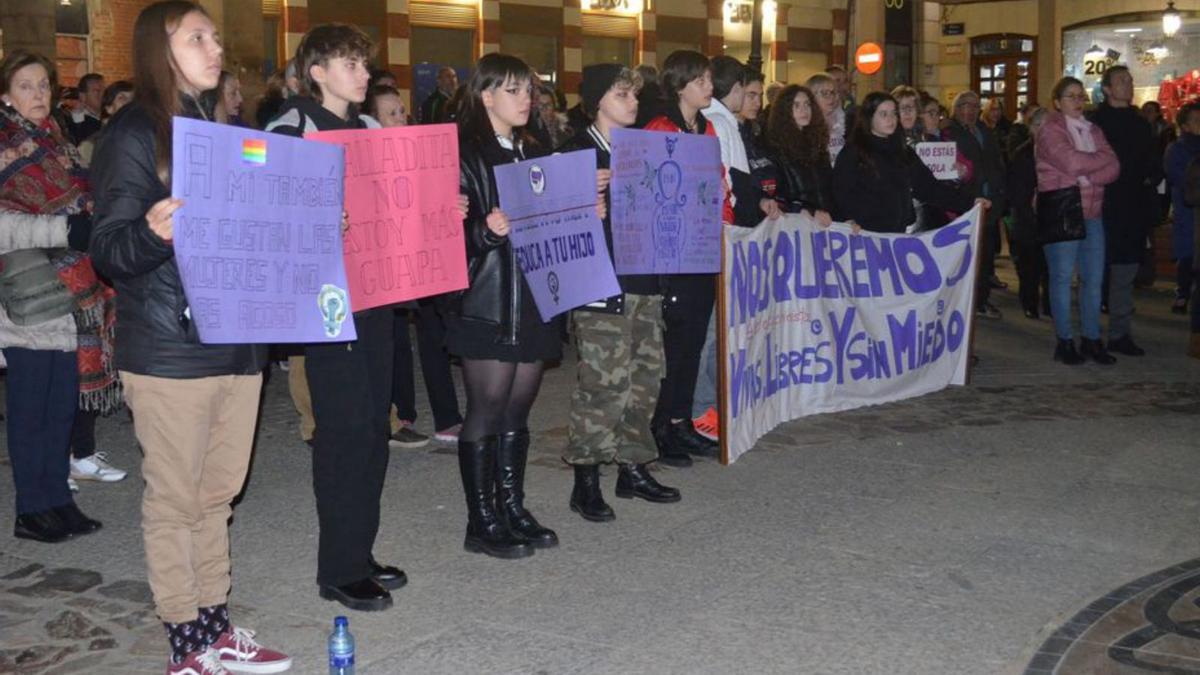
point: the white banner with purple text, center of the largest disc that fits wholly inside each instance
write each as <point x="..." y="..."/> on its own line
<point x="819" y="319"/>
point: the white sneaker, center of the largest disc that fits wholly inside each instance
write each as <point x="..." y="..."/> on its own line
<point x="96" y="468"/>
<point x="72" y="485"/>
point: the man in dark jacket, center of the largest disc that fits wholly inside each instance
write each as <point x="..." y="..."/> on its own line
<point x="978" y="148"/>
<point x="433" y="109"/>
<point x="1129" y="206"/>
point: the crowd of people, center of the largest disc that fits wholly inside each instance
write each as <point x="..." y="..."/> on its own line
<point x="95" y="316"/>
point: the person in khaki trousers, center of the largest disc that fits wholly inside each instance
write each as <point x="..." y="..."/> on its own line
<point x="194" y="405"/>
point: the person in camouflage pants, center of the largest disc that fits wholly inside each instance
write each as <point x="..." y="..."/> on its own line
<point x="619" y="339"/>
<point x="620" y="364"/>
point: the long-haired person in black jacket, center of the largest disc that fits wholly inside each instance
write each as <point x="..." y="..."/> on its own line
<point x="799" y="141"/>
<point x="876" y="176"/>
<point x="194" y="405"/>
<point x="494" y="325"/>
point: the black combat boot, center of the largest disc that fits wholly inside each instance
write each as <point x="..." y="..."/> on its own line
<point x="672" y="446"/>
<point x="586" y="499"/>
<point x="485" y="531"/>
<point x="511" y="455"/>
<point x="634" y="480"/>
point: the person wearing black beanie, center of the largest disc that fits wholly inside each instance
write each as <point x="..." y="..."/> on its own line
<point x="619" y="339"/>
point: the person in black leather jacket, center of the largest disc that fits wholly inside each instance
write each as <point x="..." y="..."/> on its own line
<point x="799" y="141"/>
<point x="494" y="325"/>
<point x="194" y="405"/>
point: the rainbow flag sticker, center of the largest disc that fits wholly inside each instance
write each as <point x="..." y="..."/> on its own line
<point x="254" y="151"/>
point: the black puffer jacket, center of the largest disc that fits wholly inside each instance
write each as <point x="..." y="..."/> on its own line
<point x="155" y="333"/>
<point x="494" y="294"/>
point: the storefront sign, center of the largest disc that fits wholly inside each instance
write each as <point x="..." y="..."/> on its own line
<point x="954" y="29"/>
<point x="617" y="6"/>
<point x="869" y="58"/>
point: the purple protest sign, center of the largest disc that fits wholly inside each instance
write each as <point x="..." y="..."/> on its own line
<point x="258" y="239"/>
<point x="666" y="202"/>
<point x="557" y="238"/>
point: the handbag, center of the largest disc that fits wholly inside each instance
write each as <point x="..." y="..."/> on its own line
<point x="1060" y="215"/>
<point x="30" y="290"/>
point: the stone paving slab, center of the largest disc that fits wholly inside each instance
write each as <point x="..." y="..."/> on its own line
<point x="955" y="533"/>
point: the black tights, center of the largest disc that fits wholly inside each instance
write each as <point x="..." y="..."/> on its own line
<point x="499" y="396"/>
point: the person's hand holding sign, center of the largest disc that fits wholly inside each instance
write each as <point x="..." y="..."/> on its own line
<point x="159" y="218"/>
<point x="464" y="205"/>
<point x="603" y="176"/>
<point x="345" y="223"/>
<point x="497" y="223"/>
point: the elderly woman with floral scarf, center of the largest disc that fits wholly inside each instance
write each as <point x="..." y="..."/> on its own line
<point x="56" y="317"/>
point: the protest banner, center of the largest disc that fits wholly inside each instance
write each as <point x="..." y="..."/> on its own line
<point x="406" y="239"/>
<point x="258" y="239"/>
<point x="940" y="157"/>
<point x="666" y="202"/>
<point x="555" y="234"/>
<point x="820" y="320"/>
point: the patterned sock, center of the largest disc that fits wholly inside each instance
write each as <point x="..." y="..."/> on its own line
<point x="215" y="622"/>
<point x="185" y="638"/>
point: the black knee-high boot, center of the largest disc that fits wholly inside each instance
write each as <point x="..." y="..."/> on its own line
<point x="511" y="456"/>
<point x="486" y="533"/>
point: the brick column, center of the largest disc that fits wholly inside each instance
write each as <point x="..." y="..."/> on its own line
<point x="647" y="44"/>
<point x="779" y="49"/>
<point x="571" y="53"/>
<point x="489" y="17"/>
<point x="399" y="60"/>
<point x="295" y="25"/>
<point x="714" y="44"/>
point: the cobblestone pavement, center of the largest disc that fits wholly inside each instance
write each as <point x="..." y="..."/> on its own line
<point x="980" y="529"/>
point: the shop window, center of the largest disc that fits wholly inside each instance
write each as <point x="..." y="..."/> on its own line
<point x="608" y="50"/>
<point x="444" y="46"/>
<point x="539" y="51"/>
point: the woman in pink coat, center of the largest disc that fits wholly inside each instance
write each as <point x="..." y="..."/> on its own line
<point x="1072" y="151"/>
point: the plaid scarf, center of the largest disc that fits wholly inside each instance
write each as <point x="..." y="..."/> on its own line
<point x="41" y="173"/>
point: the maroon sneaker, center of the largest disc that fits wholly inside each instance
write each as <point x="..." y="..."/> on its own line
<point x="239" y="652"/>
<point x="203" y="662"/>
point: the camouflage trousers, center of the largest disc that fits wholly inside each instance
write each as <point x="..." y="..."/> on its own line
<point x="620" y="365"/>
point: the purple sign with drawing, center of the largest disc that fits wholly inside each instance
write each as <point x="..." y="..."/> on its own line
<point x="558" y="240"/>
<point x="667" y="196"/>
<point x="258" y="239"/>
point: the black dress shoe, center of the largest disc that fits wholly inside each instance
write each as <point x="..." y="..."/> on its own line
<point x="364" y="595"/>
<point x="670" y="450"/>
<point x="1065" y="351"/>
<point x="76" y="522"/>
<point x="1032" y="314"/>
<point x="693" y="441"/>
<point x="1125" y="345"/>
<point x="387" y="576"/>
<point x="634" y="480"/>
<point x="1094" y="350"/>
<point x="586" y="499"/>
<point x="43" y="526"/>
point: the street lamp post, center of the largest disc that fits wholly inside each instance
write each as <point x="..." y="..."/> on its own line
<point x="755" y="62"/>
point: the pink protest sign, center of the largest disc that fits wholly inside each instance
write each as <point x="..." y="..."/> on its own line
<point x="406" y="238"/>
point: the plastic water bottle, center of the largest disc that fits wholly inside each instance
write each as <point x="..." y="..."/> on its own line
<point x="341" y="648"/>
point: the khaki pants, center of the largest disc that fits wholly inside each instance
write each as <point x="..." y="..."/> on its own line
<point x="196" y="435"/>
<point x="301" y="398"/>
